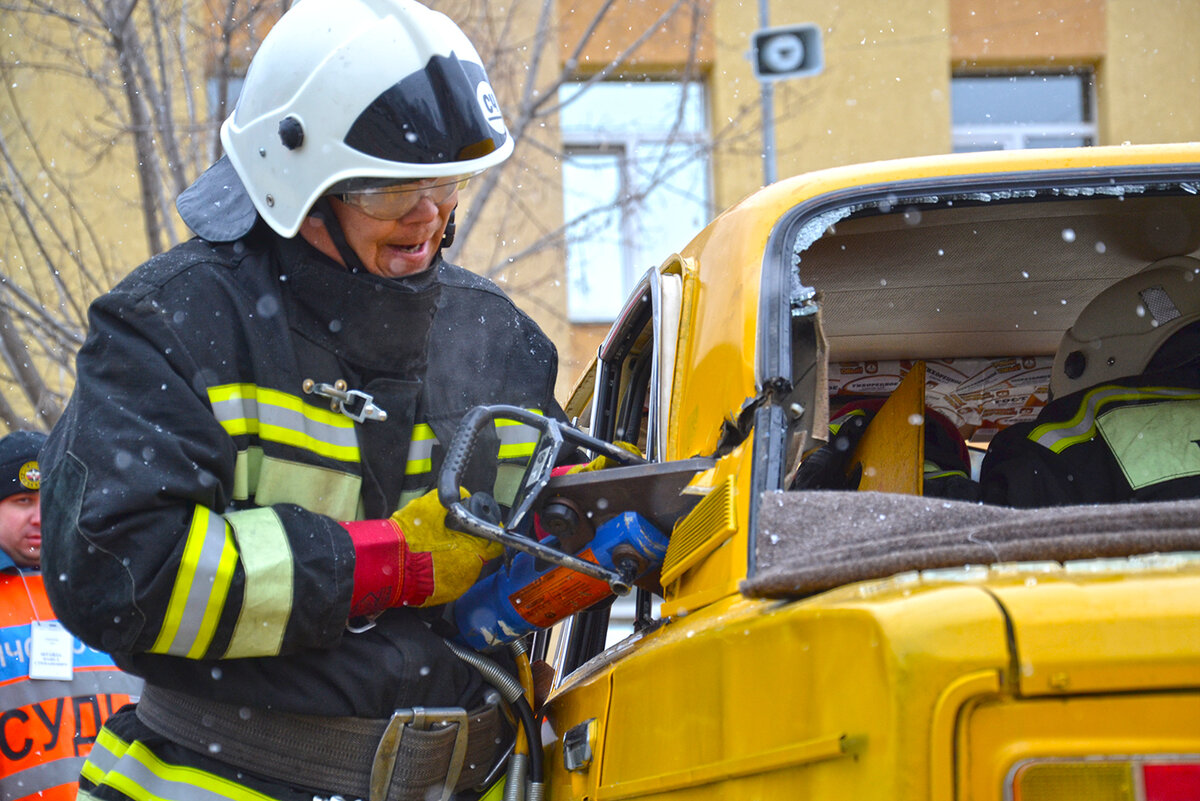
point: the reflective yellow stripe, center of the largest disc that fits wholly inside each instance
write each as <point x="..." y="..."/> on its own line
<point x="835" y="425"/>
<point x="933" y="470"/>
<point x="517" y="440"/>
<point x="136" y="771"/>
<point x="201" y="588"/>
<point x="1082" y="426"/>
<point x="106" y="752"/>
<point x="420" y="450"/>
<point x="329" y="492"/>
<point x="274" y="416"/>
<point x="267" y="601"/>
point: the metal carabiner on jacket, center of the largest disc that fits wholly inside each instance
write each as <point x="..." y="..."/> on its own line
<point x="354" y="403"/>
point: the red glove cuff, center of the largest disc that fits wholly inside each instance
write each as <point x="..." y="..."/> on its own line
<point x="386" y="572"/>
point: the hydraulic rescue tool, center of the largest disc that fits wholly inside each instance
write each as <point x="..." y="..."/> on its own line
<point x="602" y="531"/>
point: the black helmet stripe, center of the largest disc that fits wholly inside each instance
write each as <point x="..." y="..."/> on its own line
<point x="431" y="117"/>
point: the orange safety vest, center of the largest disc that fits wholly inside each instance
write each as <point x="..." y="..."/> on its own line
<point x="47" y="727"/>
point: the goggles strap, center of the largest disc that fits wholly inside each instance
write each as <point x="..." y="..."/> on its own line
<point x="448" y="234"/>
<point x="324" y="210"/>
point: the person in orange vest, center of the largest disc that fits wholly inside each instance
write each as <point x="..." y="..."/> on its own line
<point x="55" y="692"/>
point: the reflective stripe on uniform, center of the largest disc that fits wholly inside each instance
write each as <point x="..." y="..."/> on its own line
<point x="517" y="440"/>
<point x="329" y="492"/>
<point x="85" y="683"/>
<point x="933" y="470"/>
<point x="1154" y="443"/>
<point x="134" y="770"/>
<point x="420" y="450"/>
<point x="270" y="480"/>
<point x="267" y="599"/>
<point x="275" y="416"/>
<point x="835" y="425"/>
<point x="36" y="782"/>
<point x="1082" y="426"/>
<point x="201" y="587"/>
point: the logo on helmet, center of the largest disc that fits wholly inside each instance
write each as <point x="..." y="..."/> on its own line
<point x="491" y="107"/>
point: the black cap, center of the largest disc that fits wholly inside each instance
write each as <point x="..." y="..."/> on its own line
<point x="19" y="470"/>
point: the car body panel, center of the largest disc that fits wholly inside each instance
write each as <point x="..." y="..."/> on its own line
<point x="928" y="684"/>
<point x="1133" y="627"/>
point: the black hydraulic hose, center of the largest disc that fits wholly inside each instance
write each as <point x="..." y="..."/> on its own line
<point x="514" y="693"/>
<point x="525" y="712"/>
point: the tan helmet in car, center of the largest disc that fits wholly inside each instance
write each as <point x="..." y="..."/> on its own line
<point x="1118" y="333"/>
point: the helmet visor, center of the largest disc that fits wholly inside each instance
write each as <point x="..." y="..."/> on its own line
<point x="394" y="201"/>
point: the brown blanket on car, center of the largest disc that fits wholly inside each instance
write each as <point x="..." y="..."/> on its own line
<point x="814" y="540"/>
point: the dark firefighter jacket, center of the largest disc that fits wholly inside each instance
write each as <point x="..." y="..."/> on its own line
<point x="1137" y="439"/>
<point x="192" y="489"/>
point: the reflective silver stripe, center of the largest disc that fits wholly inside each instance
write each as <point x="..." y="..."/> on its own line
<point x="516" y="439"/>
<point x="420" y="450"/>
<point x="1082" y="426"/>
<point x="104" y="756"/>
<point x="96" y="682"/>
<point x="139" y="773"/>
<point x="267" y="597"/>
<point x="31" y="782"/>
<point x="275" y="416"/>
<point x="201" y="588"/>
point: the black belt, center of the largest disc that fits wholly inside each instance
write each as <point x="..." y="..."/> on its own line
<point x="403" y="758"/>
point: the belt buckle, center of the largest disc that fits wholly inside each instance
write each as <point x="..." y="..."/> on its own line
<point x="425" y="718"/>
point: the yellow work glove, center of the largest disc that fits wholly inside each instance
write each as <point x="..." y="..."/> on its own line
<point x="603" y="462"/>
<point x="412" y="559"/>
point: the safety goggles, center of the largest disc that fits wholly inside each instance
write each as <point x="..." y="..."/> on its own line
<point x="396" y="200"/>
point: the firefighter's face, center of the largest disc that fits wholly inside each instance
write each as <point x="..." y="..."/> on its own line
<point x="21" y="528"/>
<point x="390" y="248"/>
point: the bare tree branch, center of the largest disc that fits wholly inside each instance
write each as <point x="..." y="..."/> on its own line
<point x="152" y="67"/>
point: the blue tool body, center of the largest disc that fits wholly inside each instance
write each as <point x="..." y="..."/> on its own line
<point x="534" y="593"/>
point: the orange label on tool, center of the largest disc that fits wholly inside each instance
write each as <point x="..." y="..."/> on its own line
<point x="557" y="594"/>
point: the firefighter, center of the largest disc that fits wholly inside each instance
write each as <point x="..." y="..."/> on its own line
<point x="1123" y="423"/>
<point x="946" y="471"/>
<point x="239" y="493"/>
<point x="55" y="692"/>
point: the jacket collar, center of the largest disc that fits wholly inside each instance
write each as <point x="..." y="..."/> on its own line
<point x="7" y="565"/>
<point x="376" y="323"/>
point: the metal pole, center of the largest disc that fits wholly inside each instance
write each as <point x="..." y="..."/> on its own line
<point x="767" y="90"/>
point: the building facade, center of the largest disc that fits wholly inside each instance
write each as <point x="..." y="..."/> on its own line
<point x="638" y="120"/>
<point x="908" y="78"/>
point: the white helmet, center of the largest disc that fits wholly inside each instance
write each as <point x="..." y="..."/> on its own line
<point x="1120" y="330"/>
<point x="340" y="90"/>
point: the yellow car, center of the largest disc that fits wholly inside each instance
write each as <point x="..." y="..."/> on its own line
<point x="884" y="644"/>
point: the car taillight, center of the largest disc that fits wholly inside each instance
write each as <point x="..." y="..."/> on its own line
<point x="1141" y="778"/>
<point x="1171" y="782"/>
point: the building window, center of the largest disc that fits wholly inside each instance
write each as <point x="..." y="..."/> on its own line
<point x="635" y="185"/>
<point x="1015" y="111"/>
<point x="233" y="88"/>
